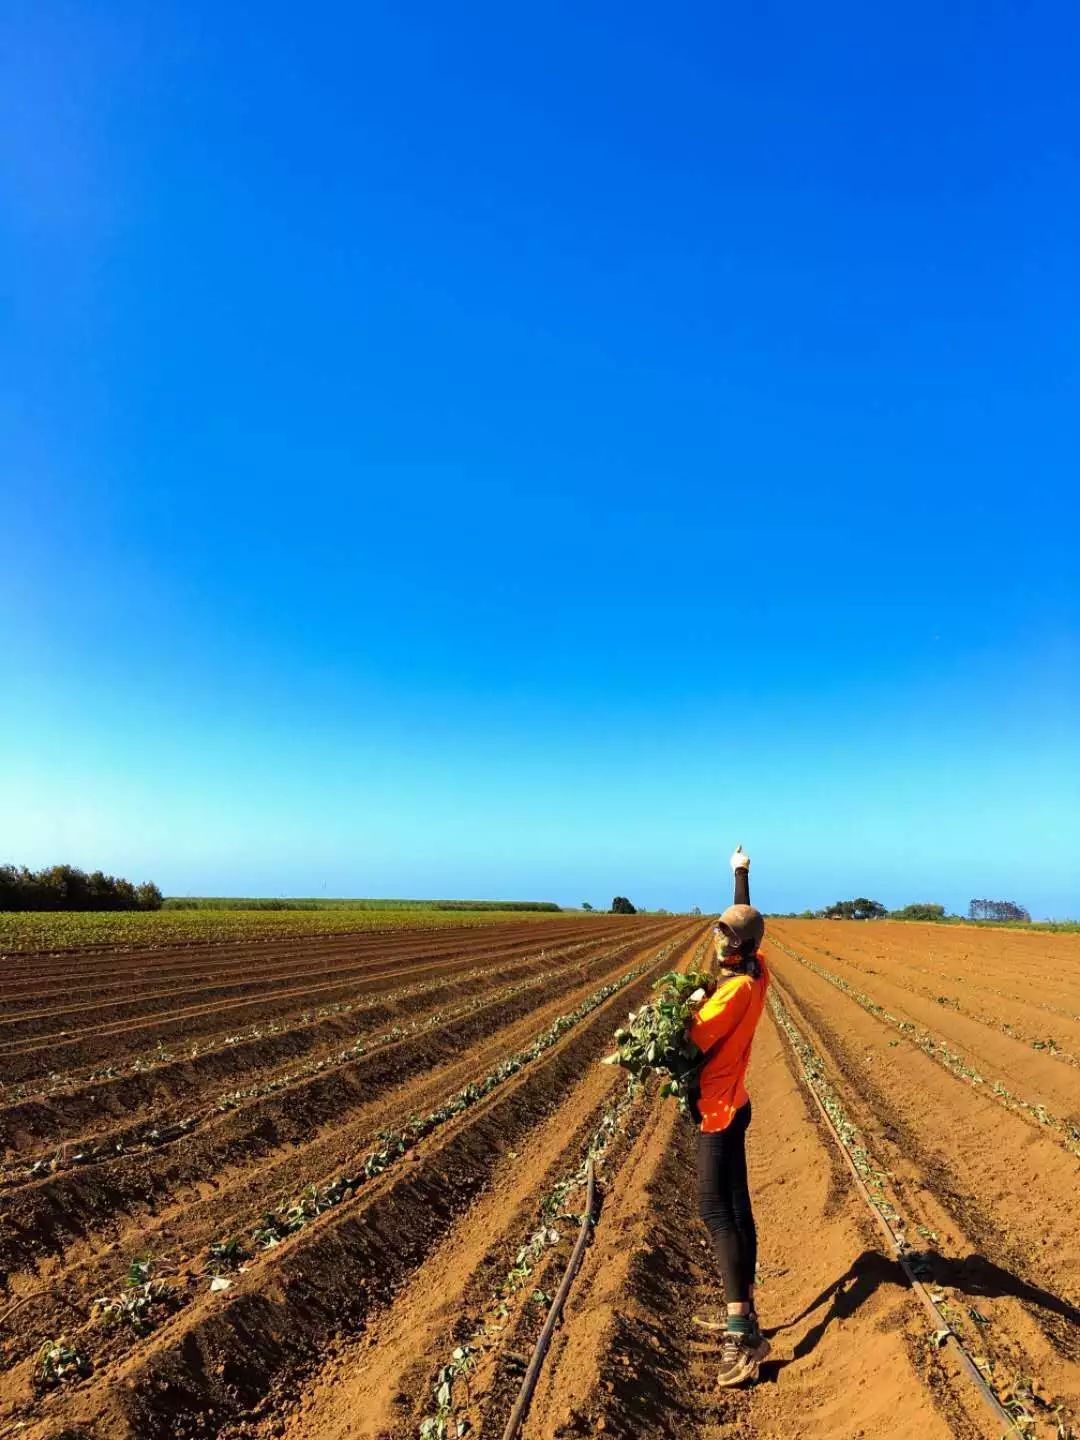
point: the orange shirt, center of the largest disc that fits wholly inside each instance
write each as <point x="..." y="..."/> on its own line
<point x="727" y="1021"/>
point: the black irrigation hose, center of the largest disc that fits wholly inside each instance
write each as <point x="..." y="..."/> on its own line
<point x="532" y="1374"/>
<point x="1001" y="1415"/>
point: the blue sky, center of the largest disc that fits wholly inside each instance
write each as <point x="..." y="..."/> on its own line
<point x="520" y="451"/>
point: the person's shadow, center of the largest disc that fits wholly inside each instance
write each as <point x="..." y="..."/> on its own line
<point x="974" y="1276"/>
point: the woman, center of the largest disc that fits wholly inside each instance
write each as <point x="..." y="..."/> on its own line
<point x="723" y="1029"/>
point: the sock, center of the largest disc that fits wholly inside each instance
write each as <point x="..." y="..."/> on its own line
<point x="739" y="1325"/>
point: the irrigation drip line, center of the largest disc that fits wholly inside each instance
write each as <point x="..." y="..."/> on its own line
<point x="1001" y="1415"/>
<point x="532" y="1374"/>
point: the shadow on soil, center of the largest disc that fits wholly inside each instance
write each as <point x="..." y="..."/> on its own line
<point x="974" y="1276"/>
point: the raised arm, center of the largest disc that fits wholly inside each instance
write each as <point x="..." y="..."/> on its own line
<point x="740" y="863"/>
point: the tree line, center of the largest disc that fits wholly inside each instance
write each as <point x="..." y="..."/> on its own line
<point x="997" y="910"/>
<point x="865" y="909"/>
<point x="64" y="887"/>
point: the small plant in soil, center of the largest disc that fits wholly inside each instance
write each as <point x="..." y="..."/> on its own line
<point x="59" y="1363"/>
<point x="143" y="1302"/>
<point x="442" y="1425"/>
<point x="227" y="1254"/>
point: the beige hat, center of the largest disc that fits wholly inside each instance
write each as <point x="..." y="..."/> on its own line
<point x="745" y="923"/>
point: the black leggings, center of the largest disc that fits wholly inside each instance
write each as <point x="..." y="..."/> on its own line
<point x="724" y="1205"/>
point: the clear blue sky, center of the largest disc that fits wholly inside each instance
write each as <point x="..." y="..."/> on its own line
<point x="520" y="451"/>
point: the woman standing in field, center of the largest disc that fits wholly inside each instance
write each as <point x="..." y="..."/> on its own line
<point x="723" y="1029"/>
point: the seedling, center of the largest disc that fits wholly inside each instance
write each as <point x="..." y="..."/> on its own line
<point x="143" y="1301"/>
<point x="438" y="1426"/>
<point x="227" y="1254"/>
<point x="59" y="1363"/>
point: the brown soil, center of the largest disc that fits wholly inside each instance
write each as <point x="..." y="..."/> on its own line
<point x="40" y="1045"/>
<point x="340" y="1331"/>
<point x="223" y="1356"/>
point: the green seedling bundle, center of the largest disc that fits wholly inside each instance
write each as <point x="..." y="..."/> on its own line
<point x="654" y="1038"/>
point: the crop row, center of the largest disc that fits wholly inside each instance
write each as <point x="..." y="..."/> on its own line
<point x="427" y="1193"/>
<point x="291" y="1127"/>
<point x="177" y="1051"/>
<point x="50" y="931"/>
<point x="394" y="1143"/>
<point x="443" y="1422"/>
<point x="150" y="1137"/>
<point x="903" y="972"/>
<point x="294" y="1215"/>
<point x="56" y="1108"/>
<point x="1067" y="1133"/>
<point x="968" y="1325"/>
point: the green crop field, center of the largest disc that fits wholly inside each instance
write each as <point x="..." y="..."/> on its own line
<point x="228" y="902"/>
<point x="74" y="929"/>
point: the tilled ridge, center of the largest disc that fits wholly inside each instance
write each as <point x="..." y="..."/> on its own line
<point x="186" y="1225"/>
<point x="218" y="1361"/>
<point x="974" y="1196"/>
<point x="847" y="1357"/>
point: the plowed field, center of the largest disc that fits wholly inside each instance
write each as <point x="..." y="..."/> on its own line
<point x="325" y="1187"/>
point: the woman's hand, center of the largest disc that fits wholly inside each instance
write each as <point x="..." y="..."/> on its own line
<point x="740" y="860"/>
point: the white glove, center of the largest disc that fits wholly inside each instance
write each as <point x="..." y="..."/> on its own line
<point x="740" y="860"/>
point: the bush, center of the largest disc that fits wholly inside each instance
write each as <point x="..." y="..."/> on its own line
<point x="923" y="910"/>
<point x="64" y="887"/>
<point x="997" y="910"/>
<point x="622" y="906"/>
<point x="860" y="909"/>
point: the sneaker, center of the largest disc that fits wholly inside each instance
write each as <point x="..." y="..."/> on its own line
<point x="742" y="1355"/>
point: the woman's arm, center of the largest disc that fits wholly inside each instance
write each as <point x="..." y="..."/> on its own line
<point x="740" y="863"/>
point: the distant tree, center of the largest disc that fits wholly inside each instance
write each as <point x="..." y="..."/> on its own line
<point x="65" y="887"/>
<point x="585" y="905"/>
<point x="860" y="909"/>
<point x="696" y="910"/>
<point x="13" y="887"/>
<point x="622" y="906"/>
<point x="997" y="910"/>
<point x="923" y="910"/>
<point x="148" y="896"/>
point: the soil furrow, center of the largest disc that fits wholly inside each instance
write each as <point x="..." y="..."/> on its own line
<point x="81" y="1001"/>
<point x="1019" y="1078"/>
<point x="160" y="1084"/>
<point x="949" y="1001"/>
<point x="984" y="1197"/>
<point x="847" y="1355"/>
<point x="43" y="1217"/>
<point x="45" y="1056"/>
<point x="218" y="1361"/>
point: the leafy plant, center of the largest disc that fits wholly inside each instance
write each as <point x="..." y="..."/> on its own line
<point x="143" y="1301"/>
<point x="437" y="1426"/>
<point x="59" y="1363"/>
<point x="227" y="1254"/>
<point x="654" y="1040"/>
